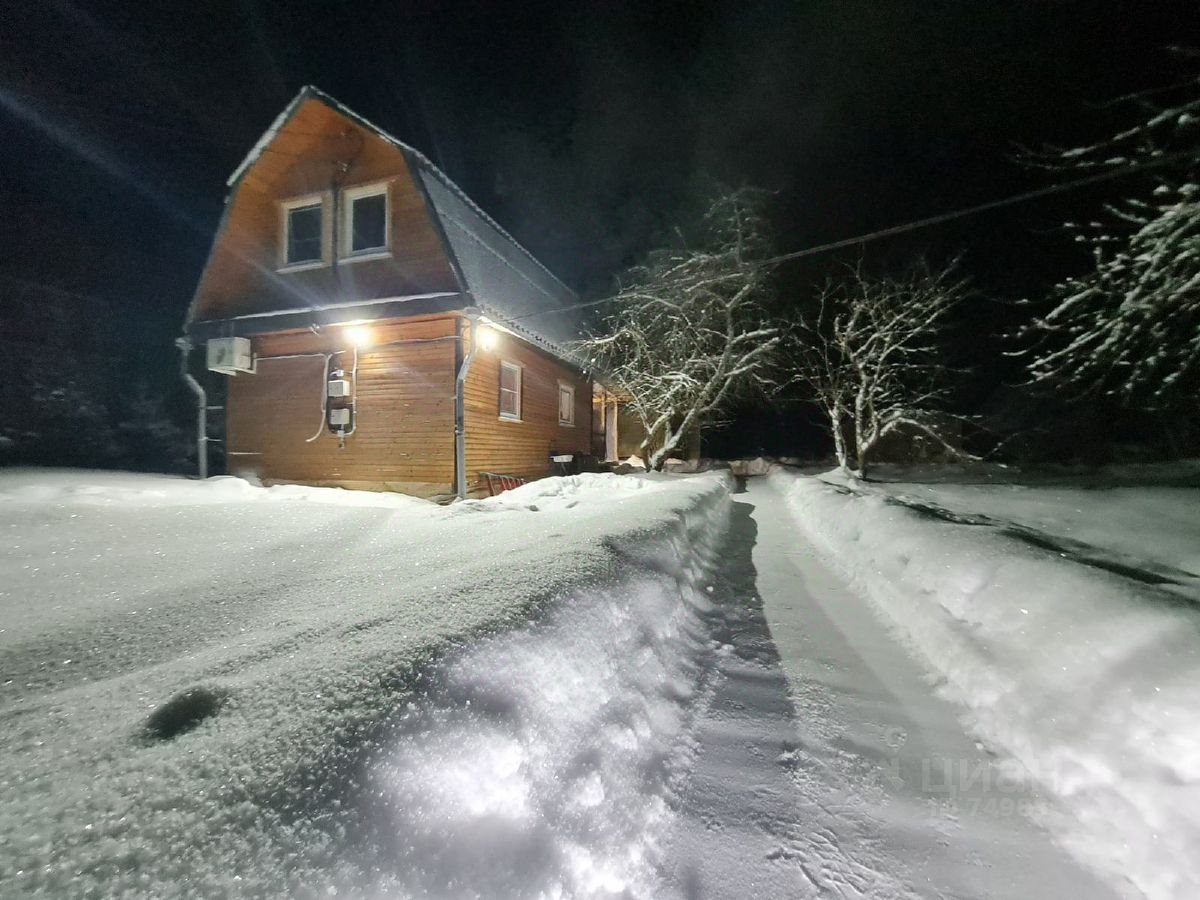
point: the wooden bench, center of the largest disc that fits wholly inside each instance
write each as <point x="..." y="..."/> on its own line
<point x="499" y="483"/>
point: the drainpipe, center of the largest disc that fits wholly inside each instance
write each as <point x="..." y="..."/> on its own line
<point x="460" y="431"/>
<point x="184" y="346"/>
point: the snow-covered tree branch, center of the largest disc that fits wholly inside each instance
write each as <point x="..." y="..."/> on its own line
<point x="687" y="332"/>
<point x="870" y="356"/>
<point x="1129" y="327"/>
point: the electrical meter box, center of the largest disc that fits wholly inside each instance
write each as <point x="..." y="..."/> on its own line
<point x="229" y="355"/>
<point x="339" y="387"/>
<point x="339" y="418"/>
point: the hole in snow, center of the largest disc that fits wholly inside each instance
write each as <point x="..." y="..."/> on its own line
<point x="184" y="711"/>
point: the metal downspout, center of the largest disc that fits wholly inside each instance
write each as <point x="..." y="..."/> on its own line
<point x="460" y="431"/>
<point x="185" y="346"/>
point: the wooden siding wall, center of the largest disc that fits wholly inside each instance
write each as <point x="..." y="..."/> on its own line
<point x="241" y="274"/>
<point x="404" y="437"/>
<point x="522" y="448"/>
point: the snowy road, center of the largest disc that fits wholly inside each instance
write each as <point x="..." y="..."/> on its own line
<point x="864" y="784"/>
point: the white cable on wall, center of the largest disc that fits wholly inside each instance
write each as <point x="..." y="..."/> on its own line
<point x="324" y="398"/>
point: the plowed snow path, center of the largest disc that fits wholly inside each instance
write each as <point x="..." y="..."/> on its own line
<point x="827" y="765"/>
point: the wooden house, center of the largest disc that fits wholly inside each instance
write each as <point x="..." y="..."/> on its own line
<point x="377" y="329"/>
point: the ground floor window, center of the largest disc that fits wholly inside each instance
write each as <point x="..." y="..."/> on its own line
<point x="566" y="403"/>
<point x="510" y="390"/>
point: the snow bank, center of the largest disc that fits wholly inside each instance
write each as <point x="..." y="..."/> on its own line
<point x="199" y="697"/>
<point x="589" y="487"/>
<point x="542" y="762"/>
<point x="759" y="465"/>
<point x="99" y="488"/>
<point x="1089" y="681"/>
<point x="1151" y="530"/>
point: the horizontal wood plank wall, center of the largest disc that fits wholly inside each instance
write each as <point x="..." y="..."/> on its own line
<point x="404" y="437"/>
<point x="241" y="274"/>
<point x="522" y="448"/>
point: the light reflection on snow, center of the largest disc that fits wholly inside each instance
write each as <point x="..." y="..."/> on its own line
<point x="540" y="763"/>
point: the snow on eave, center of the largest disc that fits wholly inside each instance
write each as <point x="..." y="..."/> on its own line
<point x="572" y="358"/>
<point x="269" y="135"/>
<point x="348" y="304"/>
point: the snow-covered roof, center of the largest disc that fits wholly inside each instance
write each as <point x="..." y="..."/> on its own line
<point x="503" y="278"/>
<point x="507" y="283"/>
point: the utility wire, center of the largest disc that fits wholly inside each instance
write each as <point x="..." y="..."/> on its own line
<point x="916" y="224"/>
<point x="981" y="207"/>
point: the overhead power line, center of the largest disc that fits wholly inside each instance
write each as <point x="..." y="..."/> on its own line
<point x="926" y="222"/>
<point x="978" y="208"/>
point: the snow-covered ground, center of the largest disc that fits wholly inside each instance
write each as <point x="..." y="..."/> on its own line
<point x="1053" y="614"/>
<point x="1149" y="532"/>
<point x="819" y="769"/>
<point x="294" y="627"/>
<point x="592" y="686"/>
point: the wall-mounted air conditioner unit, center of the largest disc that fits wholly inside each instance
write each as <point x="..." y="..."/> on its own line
<point x="230" y="355"/>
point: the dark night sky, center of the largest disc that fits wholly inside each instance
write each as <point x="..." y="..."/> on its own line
<point x="587" y="129"/>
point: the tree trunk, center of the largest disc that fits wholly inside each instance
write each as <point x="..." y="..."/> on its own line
<point x="839" y="436"/>
<point x="644" y="447"/>
<point x="860" y="470"/>
<point x="659" y="458"/>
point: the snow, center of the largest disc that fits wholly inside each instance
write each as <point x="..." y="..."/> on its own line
<point x="345" y="304"/>
<point x="1154" y="530"/>
<point x="644" y="741"/>
<point x="589" y="686"/>
<point x="1083" y="677"/>
<point x="541" y="761"/>
<point x="306" y="620"/>
<point x="868" y="785"/>
<point x="87" y="488"/>
<point x="757" y="466"/>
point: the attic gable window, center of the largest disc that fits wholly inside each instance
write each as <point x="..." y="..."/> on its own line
<point x="302" y="244"/>
<point x="366" y="225"/>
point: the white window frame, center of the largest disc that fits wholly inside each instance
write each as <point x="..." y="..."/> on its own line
<point x="566" y="386"/>
<point x="519" y="369"/>
<point x="346" y="225"/>
<point x="285" y="209"/>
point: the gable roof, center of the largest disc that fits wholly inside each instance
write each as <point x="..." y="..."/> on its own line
<point x="502" y="278"/>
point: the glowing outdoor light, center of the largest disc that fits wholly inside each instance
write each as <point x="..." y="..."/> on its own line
<point x="358" y="335"/>
<point x="487" y="337"/>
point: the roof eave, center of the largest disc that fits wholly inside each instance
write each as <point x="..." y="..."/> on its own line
<point x="252" y="324"/>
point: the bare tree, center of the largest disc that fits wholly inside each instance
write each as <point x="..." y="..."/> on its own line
<point x="688" y="332"/>
<point x="870" y="354"/>
<point x="1129" y="327"/>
